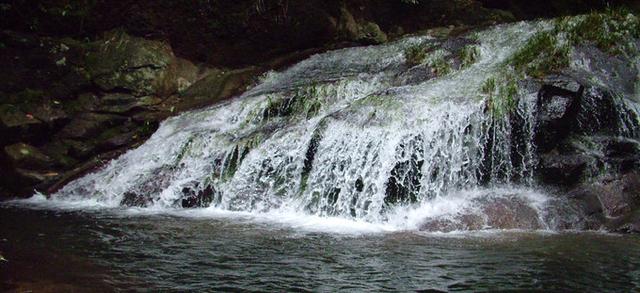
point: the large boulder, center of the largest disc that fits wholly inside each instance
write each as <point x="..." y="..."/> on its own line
<point x="141" y="66"/>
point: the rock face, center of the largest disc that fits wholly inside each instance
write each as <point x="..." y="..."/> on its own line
<point x="66" y="101"/>
<point x="584" y="152"/>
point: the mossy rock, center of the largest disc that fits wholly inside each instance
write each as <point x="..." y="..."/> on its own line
<point x="26" y="156"/>
<point x="122" y="61"/>
<point x="216" y="86"/>
<point x="12" y="117"/>
<point x="370" y="33"/>
<point x="89" y="124"/>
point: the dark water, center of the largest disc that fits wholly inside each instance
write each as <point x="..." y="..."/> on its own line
<point x="51" y="251"/>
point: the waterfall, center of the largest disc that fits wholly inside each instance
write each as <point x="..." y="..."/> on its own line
<point x="353" y="133"/>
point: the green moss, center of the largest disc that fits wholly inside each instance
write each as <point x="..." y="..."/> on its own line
<point x="541" y="55"/>
<point x="469" y="55"/>
<point x="183" y="151"/>
<point x="611" y="31"/>
<point x="304" y="102"/>
<point x="439" y="63"/>
<point x="503" y="94"/>
<point x="417" y="53"/>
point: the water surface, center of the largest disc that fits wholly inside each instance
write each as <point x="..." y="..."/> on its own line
<point x="107" y="250"/>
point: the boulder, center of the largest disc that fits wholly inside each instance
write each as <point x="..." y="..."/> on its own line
<point x="121" y="61"/>
<point x="141" y="66"/>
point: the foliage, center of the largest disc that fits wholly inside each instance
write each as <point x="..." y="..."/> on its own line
<point x="416" y="54"/>
<point x="469" y="55"/>
<point x="541" y="55"/>
<point x="438" y="62"/>
<point x="304" y="102"/>
<point x="503" y="94"/>
<point x="611" y="31"/>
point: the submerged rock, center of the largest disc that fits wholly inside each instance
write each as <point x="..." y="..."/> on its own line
<point x="489" y="212"/>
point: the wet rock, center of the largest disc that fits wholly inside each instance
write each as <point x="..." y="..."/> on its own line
<point x="621" y="196"/>
<point x="616" y="200"/>
<point x="197" y="198"/>
<point x="26" y="156"/>
<point x="132" y="199"/>
<point x="115" y="138"/>
<point x="587" y="197"/>
<point x="510" y="212"/>
<point x="558" y="107"/>
<point x="566" y="170"/>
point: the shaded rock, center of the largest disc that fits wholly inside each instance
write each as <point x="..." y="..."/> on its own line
<point x="558" y="107"/>
<point x="26" y="156"/>
<point x="621" y="196"/>
<point x="615" y="200"/>
<point x="89" y="124"/>
<point x="218" y="85"/>
<point x="566" y="170"/>
<point x="12" y="117"/>
<point x="37" y="178"/>
<point x="86" y="102"/>
<point x="141" y="66"/>
<point x="370" y="33"/>
<point x="179" y="75"/>
<point x="59" y="152"/>
<point x="52" y="115"/>
<point x="365" y="32"/>
<point x="123" y="103"/>
<point x="79" y="149"/>
<point x="120" y="61"/>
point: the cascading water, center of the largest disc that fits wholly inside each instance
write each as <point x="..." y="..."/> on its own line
<point x="355" y="134"/>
